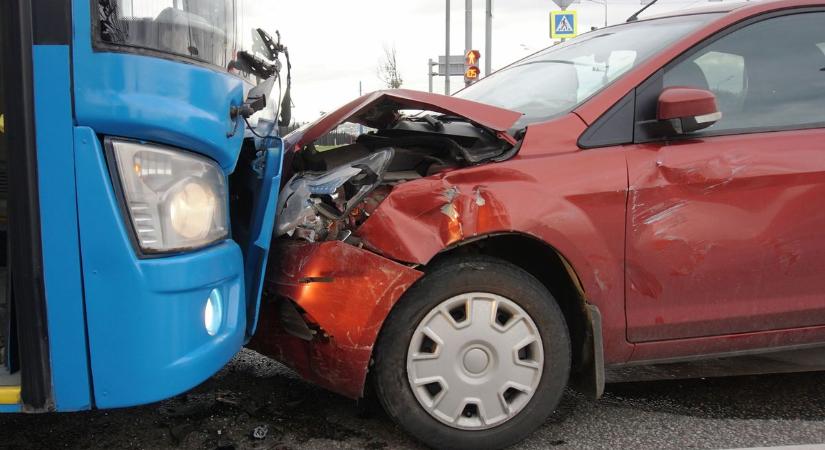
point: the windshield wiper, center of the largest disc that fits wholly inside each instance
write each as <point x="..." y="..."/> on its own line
<point x="557" y="61"/>
<point x="250" y="63"/>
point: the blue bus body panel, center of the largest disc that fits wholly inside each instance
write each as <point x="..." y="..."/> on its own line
<point x="263" y="222"/>
<point x="59" y="229"/>
<point x="147" y="338"/>
<point x="145" y="317"/>
<point x="154" y="99"/>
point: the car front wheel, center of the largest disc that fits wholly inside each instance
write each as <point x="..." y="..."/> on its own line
<point x="475" y="355"/>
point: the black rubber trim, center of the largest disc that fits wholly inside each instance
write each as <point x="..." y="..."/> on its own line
<point x="26" y="261"/>
<point x="615" y="127"/>
<point x="52" y="22"/>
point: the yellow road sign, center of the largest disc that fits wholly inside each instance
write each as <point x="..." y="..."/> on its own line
<point x="564" y="24"/>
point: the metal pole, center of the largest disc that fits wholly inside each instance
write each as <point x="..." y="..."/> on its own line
<point x="360" y="93"/>
<point x="488" y="39"/>
<point x="447" y="54"/>
<point x="468" y="30"/>
<point x="605" y="13"/>
<point x="430" y="73"/>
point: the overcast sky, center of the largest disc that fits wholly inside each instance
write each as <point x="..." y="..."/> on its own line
<point x="334" y="44"/>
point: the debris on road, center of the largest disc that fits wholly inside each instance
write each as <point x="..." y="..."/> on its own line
<point x="712" y="413"/>
<point x="260" y="432"/>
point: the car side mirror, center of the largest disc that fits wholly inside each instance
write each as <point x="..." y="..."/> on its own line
<point x="688" y="109"/>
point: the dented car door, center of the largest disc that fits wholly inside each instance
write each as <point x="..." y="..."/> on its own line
<point x="724" y="237"/>
<point x="724" y="230"/>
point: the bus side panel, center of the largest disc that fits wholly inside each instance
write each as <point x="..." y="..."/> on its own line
<point x="58" y="212"/>
<point x="147" y="339"/>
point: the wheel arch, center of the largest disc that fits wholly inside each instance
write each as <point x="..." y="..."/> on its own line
<point x="557" y="274"/>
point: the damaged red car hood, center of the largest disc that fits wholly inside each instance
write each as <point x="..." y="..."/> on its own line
<point x="379" y="109"/>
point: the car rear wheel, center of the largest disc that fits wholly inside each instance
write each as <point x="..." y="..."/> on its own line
<point x="475" y="355"/>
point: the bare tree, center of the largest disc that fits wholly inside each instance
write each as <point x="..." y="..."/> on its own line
<point x="388" y="69"/>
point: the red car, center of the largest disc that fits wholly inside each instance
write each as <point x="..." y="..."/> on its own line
<point x="649" y="192"/>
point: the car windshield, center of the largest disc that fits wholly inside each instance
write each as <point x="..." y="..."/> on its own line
<point x="556" y="80"/>
<point x="203" y="30"/>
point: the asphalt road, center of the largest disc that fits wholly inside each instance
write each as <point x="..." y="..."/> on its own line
<point x="254" y="392"/>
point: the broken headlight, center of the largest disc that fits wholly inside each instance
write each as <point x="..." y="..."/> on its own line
<point x="175" y="199"/>
<point x="311" y="202"/>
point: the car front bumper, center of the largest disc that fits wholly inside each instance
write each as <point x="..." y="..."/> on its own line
<point x="343" y="294"/>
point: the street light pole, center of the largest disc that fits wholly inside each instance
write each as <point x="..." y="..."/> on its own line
<point x="488" y="39"/>
<point x="605" y="12"/>
<point x="604" y="3"/>
<point x="447" y="54"/>
<point x="430" y="74"/>
<point x="360" y="93"/>
<point x="468" y="31"/>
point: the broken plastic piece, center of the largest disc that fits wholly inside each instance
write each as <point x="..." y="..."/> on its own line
<point x="302" y="199"/>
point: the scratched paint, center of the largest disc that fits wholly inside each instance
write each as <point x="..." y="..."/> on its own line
<point x="723" y="238"/>
<point x="356" y="292"/>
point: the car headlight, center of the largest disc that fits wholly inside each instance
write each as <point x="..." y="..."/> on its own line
<point x="175" y="199"/>
<point x="330" y="194"/>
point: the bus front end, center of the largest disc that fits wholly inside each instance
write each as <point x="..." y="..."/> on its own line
<point x="148" y="278"/>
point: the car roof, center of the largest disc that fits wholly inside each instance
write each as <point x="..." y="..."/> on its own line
<point x="727" y="7"/>
<point x="716" y="7"/>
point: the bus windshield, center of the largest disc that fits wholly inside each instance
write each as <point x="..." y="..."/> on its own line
<point x="203" y="30"/>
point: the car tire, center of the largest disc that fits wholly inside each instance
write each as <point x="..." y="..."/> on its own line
<point x="483" y="282"/>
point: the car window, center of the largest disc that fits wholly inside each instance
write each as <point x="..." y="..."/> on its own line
<point x="593" y="74"/>
<point x="556" y="80"/>
<point x="725" y="73"/>
<point x="770" y="74"/>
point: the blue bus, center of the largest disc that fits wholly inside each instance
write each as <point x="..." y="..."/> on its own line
<point x="137" y="206"/>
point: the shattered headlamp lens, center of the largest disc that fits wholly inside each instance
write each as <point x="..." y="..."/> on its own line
<point x="301" y="200"/>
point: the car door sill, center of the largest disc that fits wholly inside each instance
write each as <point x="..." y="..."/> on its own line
<point x="788" y="359"/>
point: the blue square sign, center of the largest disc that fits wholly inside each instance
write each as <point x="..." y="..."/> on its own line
<point x="563" y="24"/>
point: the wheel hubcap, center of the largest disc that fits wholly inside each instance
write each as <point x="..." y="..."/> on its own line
<point x="475" y="361"/>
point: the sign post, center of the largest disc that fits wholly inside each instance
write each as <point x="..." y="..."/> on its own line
<point x="564" y="4"/>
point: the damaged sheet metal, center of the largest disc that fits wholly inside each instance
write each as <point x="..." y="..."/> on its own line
<point x="380" y="108"/>
<point x="733" y="224"/>
<point x="574" y="203"/>
<point x="344" y="294"/>
<point x="420" y="219"/>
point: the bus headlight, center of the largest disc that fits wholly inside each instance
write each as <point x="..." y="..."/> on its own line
<point x="191" y="210"/>
<point x="176" y="200"/>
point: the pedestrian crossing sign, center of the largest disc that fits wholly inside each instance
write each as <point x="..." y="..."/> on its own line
<point x="563" y="24"/>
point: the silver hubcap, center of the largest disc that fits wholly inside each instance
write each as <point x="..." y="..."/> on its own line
<point x="475" y="361"/>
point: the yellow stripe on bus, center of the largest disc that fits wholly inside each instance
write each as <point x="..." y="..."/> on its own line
<point x="9" y="395"/>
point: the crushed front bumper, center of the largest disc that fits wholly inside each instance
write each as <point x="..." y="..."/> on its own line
<point x="342" y="294"/>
